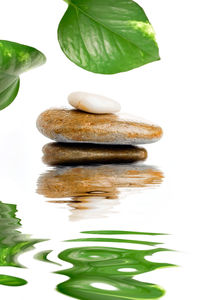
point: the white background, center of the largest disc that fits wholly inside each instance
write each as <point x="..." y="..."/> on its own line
<point x="165" y="92"/>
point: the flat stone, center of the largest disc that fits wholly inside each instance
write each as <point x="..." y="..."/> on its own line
<point x="93" y="103"/>
<point x="64" y="125"/>
<point x="82" y="183"/>
<point x="67" y="154"/>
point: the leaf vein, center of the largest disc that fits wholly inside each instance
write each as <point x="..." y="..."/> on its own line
<point x="107" y="28"/>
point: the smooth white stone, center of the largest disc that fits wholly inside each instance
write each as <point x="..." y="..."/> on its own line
<point x="93" y="103"/>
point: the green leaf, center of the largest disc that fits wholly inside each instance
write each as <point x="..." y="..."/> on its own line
<point x="8" y="92"/>
<point x="11" y="280"/>
<point x="14" y="60"/>
<point x="107" y="36"/>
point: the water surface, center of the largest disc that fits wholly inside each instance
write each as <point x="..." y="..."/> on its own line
<point x="101" y="272"/>
<point x="12" y="243"/>
<point x="95" y="187"/>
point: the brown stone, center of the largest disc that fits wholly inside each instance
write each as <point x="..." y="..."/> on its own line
<point x="103" y="181"/>
<point x="63" y="125"/>
<point x="66" y="154"/>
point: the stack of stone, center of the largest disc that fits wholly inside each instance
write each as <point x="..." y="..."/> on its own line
<point x="94" y="132"/>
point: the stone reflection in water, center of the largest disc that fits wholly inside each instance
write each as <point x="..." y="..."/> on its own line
<point x="12" y="243"/>
<point x="95" y="188"/>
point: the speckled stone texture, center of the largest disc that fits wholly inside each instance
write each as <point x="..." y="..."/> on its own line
<point x="67" y="154"/>
<point x="64" y="125"/>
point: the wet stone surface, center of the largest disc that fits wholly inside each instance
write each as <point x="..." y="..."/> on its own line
<point x="64" y="125"/>
<point x="67" y="154"/>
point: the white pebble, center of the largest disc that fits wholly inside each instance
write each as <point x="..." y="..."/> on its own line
<point x="93" y="103"/>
